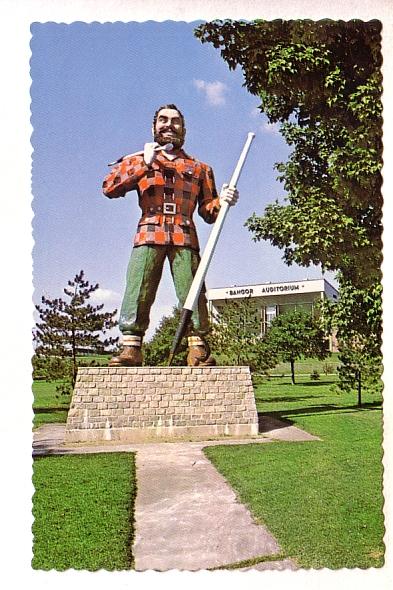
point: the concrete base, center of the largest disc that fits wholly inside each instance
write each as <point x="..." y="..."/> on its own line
<point x="161" y="403"/>
<point x="162" y="434"/>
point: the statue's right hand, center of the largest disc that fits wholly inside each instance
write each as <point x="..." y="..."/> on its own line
<point x="149" y="152"/>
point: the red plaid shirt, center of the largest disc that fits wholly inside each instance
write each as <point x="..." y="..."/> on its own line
<point x="169" y="191"/>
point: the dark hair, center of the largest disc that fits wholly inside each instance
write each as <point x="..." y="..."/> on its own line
<point x="168" y="106"/>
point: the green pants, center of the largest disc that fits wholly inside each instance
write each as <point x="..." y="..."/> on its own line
<point x="143" y="276"/>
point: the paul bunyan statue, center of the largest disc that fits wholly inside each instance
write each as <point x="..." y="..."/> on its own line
<point x="170" y="185"/>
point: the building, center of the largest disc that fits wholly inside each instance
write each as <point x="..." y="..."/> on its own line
<point x="272" y="299"/>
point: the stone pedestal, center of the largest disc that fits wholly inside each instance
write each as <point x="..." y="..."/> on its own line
<point x="161" y="403"/>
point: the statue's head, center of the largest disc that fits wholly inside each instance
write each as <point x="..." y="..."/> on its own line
<point x="168" y="126"/>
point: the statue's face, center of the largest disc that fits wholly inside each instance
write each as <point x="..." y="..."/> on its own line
<point x="169" y="128"/>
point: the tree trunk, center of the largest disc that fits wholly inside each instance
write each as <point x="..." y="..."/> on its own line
<point x="359" y="382"/>
<point x="293" y="371"/>
<point x="74" y="361"/>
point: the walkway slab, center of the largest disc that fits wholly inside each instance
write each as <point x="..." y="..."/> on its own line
<point x="285" y="564"/>
<point x="279" y="430"/>
<point x="187" y="516"/>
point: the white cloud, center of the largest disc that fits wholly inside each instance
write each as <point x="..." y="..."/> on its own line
<point x="265" y="127"/>
<point x="105" y="296"/>
<point x="214" y="91"/>
<point x="270" y="128"/>
<point x="255" y="112"/>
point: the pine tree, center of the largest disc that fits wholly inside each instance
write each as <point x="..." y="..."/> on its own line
<point x="70" y="327"/>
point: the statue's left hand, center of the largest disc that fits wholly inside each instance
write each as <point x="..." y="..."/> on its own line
<point x="149" y="152"/>
<point x="229" y="195"/>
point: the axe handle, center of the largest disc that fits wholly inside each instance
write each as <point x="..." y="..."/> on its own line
<point x="167" y="146"/>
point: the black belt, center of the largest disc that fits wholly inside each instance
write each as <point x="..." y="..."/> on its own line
<point x="169" y="209"/>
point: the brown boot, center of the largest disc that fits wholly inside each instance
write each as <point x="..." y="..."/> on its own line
<point x="199" y="353"/>
<point x="131" y="355"/>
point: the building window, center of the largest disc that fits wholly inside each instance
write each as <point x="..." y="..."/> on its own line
<point x="268" y="314"/>
<point x="300" y="306"/>
<point x="246" y="314"/>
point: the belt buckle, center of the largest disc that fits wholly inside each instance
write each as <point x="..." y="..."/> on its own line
<point x="169" y="208"/>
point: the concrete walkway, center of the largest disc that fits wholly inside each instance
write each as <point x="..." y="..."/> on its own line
<point x="187" y="517"/>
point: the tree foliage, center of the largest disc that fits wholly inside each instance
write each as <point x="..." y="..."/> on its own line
<point x="54" y="369"/>
<point x="295" y="334"/>
<point x="156" y="351"/>
<point x="360" y="337"/>
<point x="359" y="368"/>
<point x="322" y="82"/>
<point x="68" y="327"/>
<point x="236" y="337"/>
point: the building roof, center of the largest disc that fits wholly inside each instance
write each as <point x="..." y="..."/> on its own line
<point x="270" y="288"/>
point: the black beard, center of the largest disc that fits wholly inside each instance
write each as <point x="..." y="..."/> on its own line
<point x="177" y="141"/>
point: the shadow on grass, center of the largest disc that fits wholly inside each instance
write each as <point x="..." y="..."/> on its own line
<point x="46" y="451"/>
<point x="271" y="421"/>
<point x="281" y="418"/>
<point x="291" y="398"/>
<point x="297" y="383"/>
<point x="49" y="410"/>
<point x="314" y="383"/>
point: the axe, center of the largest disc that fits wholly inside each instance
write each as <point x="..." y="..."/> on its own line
<point x="167" y="147"/>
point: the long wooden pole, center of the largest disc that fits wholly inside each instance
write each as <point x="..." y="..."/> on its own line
<point x="196" y="286"/>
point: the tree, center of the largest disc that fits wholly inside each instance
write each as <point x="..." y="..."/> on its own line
<point x="359" y="346"/>
<point x="359" y="369"/>
<point x="69" y="327"/>
<point x="321" y="81"/>
<point x="236" y="336"/>
<point x="295" y="334"/>
<point x="156" y="351"/>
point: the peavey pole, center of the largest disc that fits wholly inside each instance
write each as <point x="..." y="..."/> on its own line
<point x="193" y="295"/>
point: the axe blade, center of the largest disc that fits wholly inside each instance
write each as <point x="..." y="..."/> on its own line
<point x="185" y="317"/>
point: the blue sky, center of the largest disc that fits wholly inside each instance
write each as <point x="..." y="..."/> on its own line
<point x="94" y="91"/>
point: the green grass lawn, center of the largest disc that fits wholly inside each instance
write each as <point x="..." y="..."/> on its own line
<point x="96" y="359"/>
<point x="48" y="405"/>
<point x="322" y="500"/>
<point x="83" y="510"/>
<point x="305" y="366"/>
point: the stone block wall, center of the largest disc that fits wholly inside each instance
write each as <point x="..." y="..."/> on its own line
<point x="145" y="403"/>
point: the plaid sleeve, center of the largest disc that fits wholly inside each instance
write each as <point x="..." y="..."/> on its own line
<point x="124" y="177"/>
<point x="208" y="199"/>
